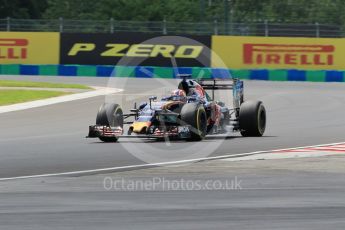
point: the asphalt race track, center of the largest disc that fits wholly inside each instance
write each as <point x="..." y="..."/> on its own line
<point x="298" y="193"/>
<point x="51" y="139"/>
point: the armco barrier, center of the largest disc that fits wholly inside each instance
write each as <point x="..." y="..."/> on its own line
<point x="167" y="72"/>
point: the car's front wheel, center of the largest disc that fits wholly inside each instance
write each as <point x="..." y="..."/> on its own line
<point x="110" y="115"/>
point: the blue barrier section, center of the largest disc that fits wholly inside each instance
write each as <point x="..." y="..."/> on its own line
<point x="220" y="73"/>
<point x="182" y="70"/>
<point x="259" y="75"/>
<point x="297" y="75"/>
<point x="334" y="76"/>
<point x="66" y="70"/>
<point x="29" y="70"/>
<point x="144" y="72"/>
<point x="105" y="71"/>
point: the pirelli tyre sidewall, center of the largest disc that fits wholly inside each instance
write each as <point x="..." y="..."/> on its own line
<point x="252" y="119"/>
<point x="194" y="114"/>
<point x="111" y="115"/>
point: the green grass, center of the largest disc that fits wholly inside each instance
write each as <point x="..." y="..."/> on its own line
<point x="8" y="97"/>
<point x="11" y="83"/>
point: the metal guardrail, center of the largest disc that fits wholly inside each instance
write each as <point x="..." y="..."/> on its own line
<point x="265" y="28"/>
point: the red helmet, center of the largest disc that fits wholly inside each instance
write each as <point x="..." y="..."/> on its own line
<point x="178" y="92"/>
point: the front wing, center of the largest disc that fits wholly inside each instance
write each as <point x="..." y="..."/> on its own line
<point x="176" y="132"/>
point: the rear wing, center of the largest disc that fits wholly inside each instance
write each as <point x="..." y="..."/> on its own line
<point x="234" y="84"/>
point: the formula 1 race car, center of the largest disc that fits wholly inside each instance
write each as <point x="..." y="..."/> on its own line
<point x="188" y="113"/>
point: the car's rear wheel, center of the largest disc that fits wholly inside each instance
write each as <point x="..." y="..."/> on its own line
<point x="252" y="119"/>
<point x="194" y="114"/>
<point x="110" y="115"/>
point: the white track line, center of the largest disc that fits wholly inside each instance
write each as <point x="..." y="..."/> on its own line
<point x="300" y="152"/>
<point x="99" y="91"/>
<point x="132" y="167"/>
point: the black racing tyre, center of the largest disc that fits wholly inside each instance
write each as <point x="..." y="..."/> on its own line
<point x="109" y="114"/>
<point x="194" y="114"/>
<point x="252" y="119"/>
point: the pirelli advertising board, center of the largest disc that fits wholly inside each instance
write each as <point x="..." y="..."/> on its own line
<point x="29" y="48"/>
<point x="135" y="49"/>
<point x="234" y="52"/>
<point x="278" y="53"/>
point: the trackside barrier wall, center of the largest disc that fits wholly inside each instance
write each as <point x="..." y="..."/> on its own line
<point x="258" y="58"/>
<point x="276" y="53"/>
<point x="29" y="48"/>
<point x="170" y="73"/>
<point x="134" y="49"/>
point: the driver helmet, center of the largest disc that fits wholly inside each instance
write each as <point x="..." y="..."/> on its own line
<point x="178" y="94"/>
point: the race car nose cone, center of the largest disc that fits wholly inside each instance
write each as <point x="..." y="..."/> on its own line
<point x="140" y="125"/>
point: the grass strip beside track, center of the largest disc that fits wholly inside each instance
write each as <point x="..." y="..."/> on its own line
<point x="11" y="83"/>
<point x="8" y="97"/>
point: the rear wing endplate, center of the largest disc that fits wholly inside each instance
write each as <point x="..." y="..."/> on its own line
<point x="234" y="84"/>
